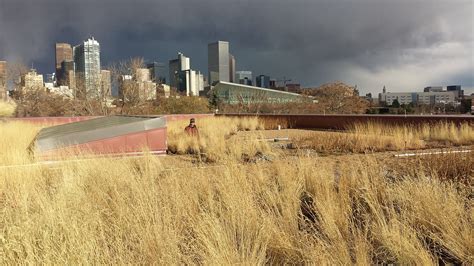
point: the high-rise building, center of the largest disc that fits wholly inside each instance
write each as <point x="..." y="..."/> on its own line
<point x="231" y="68"/>
<point x="157" y="72"/>
<point x="262" y="81"/>
<point x="3" y="80"/>
<point x="106" y="83"/>
<point x="243" y="77"/>
<point x="87" y="65"/>
<point x="187" y="81"/>
<point x="63" y="53"/>
<point x="218" y="62"/>
<point x="175" y="67"/>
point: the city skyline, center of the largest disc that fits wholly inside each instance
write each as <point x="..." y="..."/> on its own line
<point x="364" y="43"/>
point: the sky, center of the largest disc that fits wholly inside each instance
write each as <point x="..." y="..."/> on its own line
<point x="404" y="45"/>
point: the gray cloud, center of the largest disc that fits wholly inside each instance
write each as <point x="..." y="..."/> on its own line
<point x="404" y="45"/>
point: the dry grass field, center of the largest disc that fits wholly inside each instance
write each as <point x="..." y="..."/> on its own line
<point x="228" y="197"/>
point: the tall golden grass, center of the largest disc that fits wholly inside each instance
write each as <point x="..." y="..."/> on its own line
<point x="293" y="210"/>
<point x="215" y="141"/>
<point x="7" y="108"/>
<point x="374" y="137"/>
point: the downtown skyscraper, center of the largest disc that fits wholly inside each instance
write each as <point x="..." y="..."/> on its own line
<point x="87" y="66"/>
<point x="218" y="62"/>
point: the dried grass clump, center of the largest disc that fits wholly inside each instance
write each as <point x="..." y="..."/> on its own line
<point x="15" y="138"/>
<point x="215" y="141"/>
<point x="7" y="108"/>
<point x="375" y="137"/>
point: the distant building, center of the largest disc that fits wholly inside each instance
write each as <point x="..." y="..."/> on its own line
<point x="457" y="89"/>
<point x="262" y="81"/>
<point x="218" y="62"/>
<point x="157" y="72"/>
<point x="175" y="67"/>
<point x="106" y="84"/>
<point x="244" y="77"/>
<point x="293" y="87"/>
<point x="187" y="81"/>
<point x="273" y="83"/>
<point x="63" y="91"/>
<point x="3" y="81"/>
<point x="63" y="53"/>
<point x="146" y="87"/>
<point x="233" y="93"/>
<point x="65" y="78"/>
<point x="433" y="89"/>
<point x="138" y="87"/>
<point x="87" y="66"/>
<point x="50" y="78"/>
<point x="231" y="68"/>
<point x="429" y="96"/>
<point x="32" y="80"/>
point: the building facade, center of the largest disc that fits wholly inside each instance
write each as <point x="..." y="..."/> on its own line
<point x="244" y="77"/>
<point x="3" y="81"/>
<point x="106" y="84"/>
<point x="176" y="66"/>
<point x="231" y="68"/>
<point x="32" y="80"/>
<point x="262" y="81"/>
<point x="157" y="72"/>
<point x="63" y="53"/>
<point x="233" y="93"/>
<point x="186" y="80"/>
<point x="87" y="66"/>
<point x="426" y="97"/>
<point x="218" y="62"/>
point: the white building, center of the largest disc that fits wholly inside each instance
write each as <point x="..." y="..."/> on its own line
<point x="428" y="97"/>
<point x="32" y="80"/>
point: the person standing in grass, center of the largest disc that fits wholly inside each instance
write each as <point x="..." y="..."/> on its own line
<point x="191" y="129"/>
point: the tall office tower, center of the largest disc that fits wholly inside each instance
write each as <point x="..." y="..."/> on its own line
<point x="3" y="80"/>
<point x="232" y="68"/>
<point x="106" y="84"/>
<point x="63" y="53"/>
<point x="157" y="72"/>
<point x="262" y="81"/>
<point x="176" y="66"/>
<point x="243" y="77"/>
<point x="87" y="64"/>
<point x="218" y="62"/>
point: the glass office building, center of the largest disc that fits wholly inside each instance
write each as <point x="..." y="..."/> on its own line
<point x="87" y="65"/>
<point x="233" y="93"/>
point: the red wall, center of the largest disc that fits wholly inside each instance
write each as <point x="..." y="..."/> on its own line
<point x="65" y="120"/>
<point x="152" y="140"/>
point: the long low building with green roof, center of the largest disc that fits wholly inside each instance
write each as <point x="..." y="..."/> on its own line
<point x="233" y="93"/>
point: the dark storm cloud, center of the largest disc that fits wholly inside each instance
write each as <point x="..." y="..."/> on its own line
<point x="362" y="42"/>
